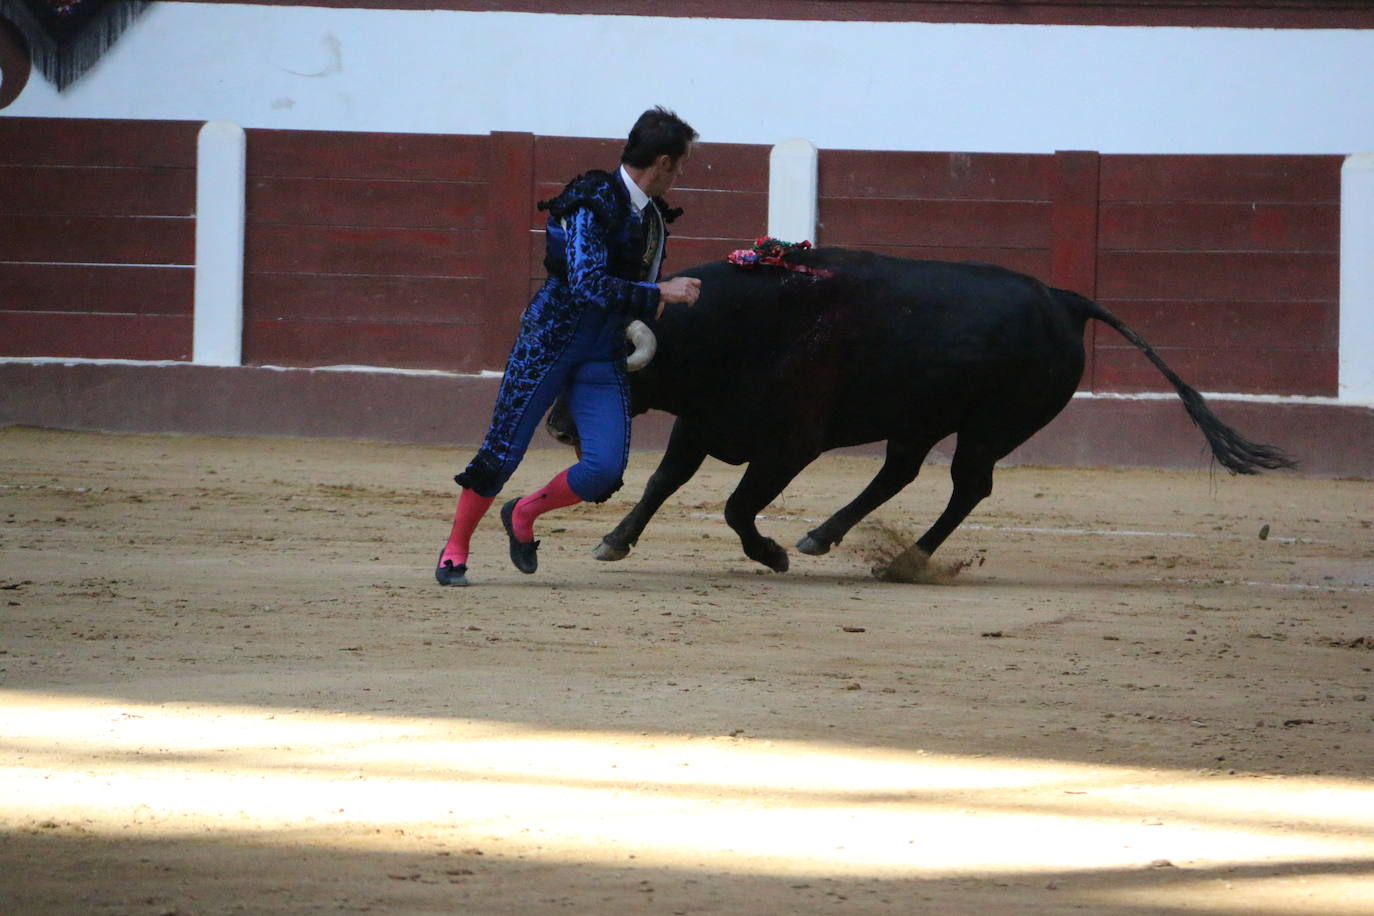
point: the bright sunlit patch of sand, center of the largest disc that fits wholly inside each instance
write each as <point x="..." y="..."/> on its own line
<point x="1331" y="894"/>
<point x="727" y="804"/>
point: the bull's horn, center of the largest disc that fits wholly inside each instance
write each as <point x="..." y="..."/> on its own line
<point x="644" y="342"/>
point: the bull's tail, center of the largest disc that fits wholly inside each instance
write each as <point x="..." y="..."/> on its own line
<point x="1236" y="453"/>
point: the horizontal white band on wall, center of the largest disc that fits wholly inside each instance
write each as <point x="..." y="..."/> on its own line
<point x="843" y="85"/>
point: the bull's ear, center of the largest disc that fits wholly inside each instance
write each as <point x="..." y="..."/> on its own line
<point x="644" y="342"/>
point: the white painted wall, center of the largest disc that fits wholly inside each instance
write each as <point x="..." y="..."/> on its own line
<point x="909" y="86"/>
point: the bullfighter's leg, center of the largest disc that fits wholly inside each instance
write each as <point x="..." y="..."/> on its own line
<point x="761" y="484"/>
<point x="599" y="402"/>
<point x="681" y="460"/>
<point x="904" y="460"/>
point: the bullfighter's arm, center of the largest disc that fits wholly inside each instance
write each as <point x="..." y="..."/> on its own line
<point x="589" y="272"/>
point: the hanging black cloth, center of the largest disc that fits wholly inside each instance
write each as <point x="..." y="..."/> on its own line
<point x="67" y="37"/>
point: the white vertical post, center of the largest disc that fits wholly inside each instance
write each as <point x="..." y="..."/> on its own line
<point x="221" y="181"/>
<point x="1356" y="361"/>
<point x="792" y="191"/>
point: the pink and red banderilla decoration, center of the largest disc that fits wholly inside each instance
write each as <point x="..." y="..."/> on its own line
<point x="770" y="252"/>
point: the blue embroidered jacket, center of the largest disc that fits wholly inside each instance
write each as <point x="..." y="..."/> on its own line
<point x="598" y="282"/>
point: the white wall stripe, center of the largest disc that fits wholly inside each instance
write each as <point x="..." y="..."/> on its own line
<point x="1356" y="366"/>
<point x="221" y="176"/>
<point x="793" y="201"/>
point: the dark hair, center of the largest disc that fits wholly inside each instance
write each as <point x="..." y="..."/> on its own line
<point x="658" y="132"/>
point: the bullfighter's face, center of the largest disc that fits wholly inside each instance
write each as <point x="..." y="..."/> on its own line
<point x="665" y="172"/>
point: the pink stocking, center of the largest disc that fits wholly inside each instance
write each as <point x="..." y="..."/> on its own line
<point x="555" y="495"/>
<point x="471" y="508"/>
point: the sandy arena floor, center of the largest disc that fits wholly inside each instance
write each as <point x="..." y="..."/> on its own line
<point x="228" y="683"/>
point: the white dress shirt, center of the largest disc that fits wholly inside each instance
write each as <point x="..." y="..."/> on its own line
<point x="640" y="201"/>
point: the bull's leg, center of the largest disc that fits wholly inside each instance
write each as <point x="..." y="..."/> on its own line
<point x="971" y="473"/>
<point x="681" y="459"/>
<point x="904" y="460"/>
<point x="761" y="484"/>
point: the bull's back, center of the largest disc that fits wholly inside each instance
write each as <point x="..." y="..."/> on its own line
<point x="884" y="347"/>
<point x="945" y="345"/>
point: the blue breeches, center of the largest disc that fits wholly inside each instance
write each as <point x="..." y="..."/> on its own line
<point x="599" y="400"/>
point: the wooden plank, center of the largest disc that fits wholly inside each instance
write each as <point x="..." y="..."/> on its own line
<point x="1074" y="235"/>
<point x="724" y="167"/>
<point x="557" y="160"/>
<point x="432" y="300"/>
<point x="1227" y="276"/>
<point x="367" y="202"/>
<point x="685" y="252"/>
<point x="341" y="154"/>
<point x="48" y="190"/>
<point x="537" y="271"/>
<point x="1207" y="226"/>
<point x="1272" y="371"/>
<point x="935" y="176"/>
<point x="1236" y="325"/>
<point x="1246" y="179"/>
<point x="719" y="214"/>
<point x="711" y="166"/>
<point x="451" y="347"/>
<point x="867" y="222"/>
<point x="705" y="213"/>
<point x="510" y="170"/>
<point x="371" y="251"/>
<point x="89" y="336"/>
<point x="99" y="239"/>
<point x="113" y="289"/>
<point x="98" y="142"/>
<point x="1073" y="222"/>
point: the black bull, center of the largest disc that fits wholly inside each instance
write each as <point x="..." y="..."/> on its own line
<point x="773" y="367"/>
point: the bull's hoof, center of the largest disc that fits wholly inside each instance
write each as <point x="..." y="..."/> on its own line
<point x="610" y="552"/>
<point x="770" y="555"/>
<point x="812" y="547"/>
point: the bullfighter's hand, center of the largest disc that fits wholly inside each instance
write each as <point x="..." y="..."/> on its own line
<point x="680" y="289"/>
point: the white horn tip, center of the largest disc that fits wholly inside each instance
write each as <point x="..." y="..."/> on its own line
<point x="644" y="342"/>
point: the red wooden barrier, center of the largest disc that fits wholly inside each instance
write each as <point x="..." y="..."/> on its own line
<point x="1228" y="265"/>
<point x="422" y="251"/>
<point x="366" y="249"/>
<point x="97" y="238"/>
<point x="419" y="251"/>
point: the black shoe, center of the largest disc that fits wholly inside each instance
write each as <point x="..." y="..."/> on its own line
<point x="524" y="554"/>
<point x="448" y="574"/>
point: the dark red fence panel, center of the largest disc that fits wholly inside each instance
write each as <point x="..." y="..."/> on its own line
<point x="97" y="219"/>
<point x="946" y="206"/>
<point x="366" y="249"/>
<point x="420" y="251"/>
<point x="1228" y="265"/>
